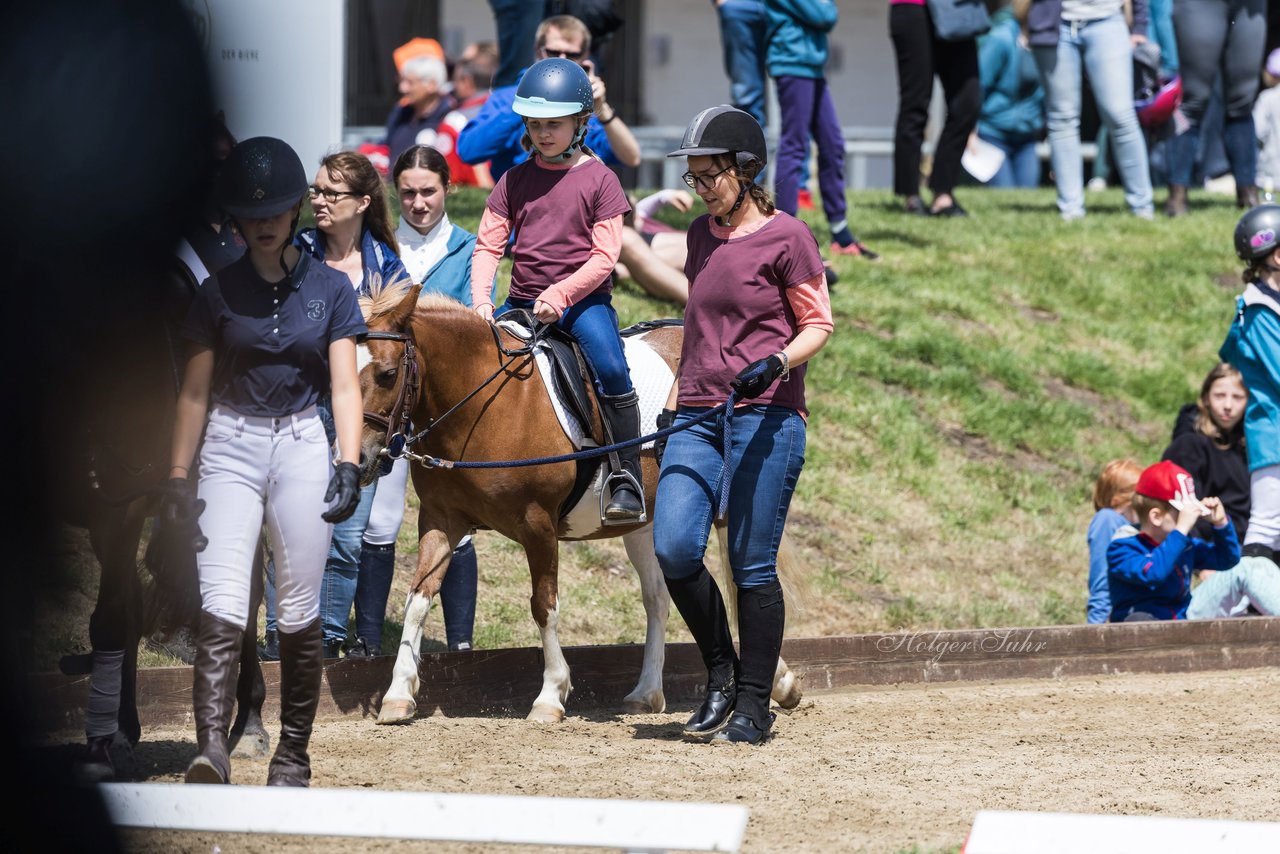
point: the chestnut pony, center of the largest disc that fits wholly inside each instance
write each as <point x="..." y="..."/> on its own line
<point x="484" y="405"/>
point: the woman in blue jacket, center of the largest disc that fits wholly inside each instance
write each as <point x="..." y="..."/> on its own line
<point x="437" y="255"/>
<point x="1012" y="117"/>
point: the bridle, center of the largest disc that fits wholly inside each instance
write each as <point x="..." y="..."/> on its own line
<point x="398" y="438"/>
<point x="396" y="422"/>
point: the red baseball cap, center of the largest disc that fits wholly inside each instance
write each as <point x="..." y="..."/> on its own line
<point x="1166" y="481"/>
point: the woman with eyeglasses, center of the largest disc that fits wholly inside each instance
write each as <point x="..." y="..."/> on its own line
<point x="271" y="334"/>
<point x="758" y="310"/>
<point x="353" y="235"/>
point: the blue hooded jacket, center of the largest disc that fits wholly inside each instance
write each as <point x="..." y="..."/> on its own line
<point x="1012" y="98"/>
<point x="377" y="256"/>
<point x="796" y="34"/>
<point x="1253" y="348"/>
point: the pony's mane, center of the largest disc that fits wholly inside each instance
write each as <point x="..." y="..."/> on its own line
<point x="385" y="296"/>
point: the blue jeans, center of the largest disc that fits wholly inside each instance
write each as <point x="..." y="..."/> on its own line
<point x="1102" y="48"/>
<point x="742" y="37"/>
<point x="342" y="569"/>
<point x="768" y="454"/>
<point x="594" y="325"/>
<point x="517" y="24"/>
<point x="1021" y="166"/>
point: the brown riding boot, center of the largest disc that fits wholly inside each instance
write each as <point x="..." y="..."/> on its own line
<point x="1176" y="204"/>
<point x="213" y="691"/>
<point x="301" y="666"/>
<point x="1247" y="197"/>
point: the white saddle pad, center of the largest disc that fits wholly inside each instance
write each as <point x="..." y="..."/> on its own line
<point x="650" y="375"/>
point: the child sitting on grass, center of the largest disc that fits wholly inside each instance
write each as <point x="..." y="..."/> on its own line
<point x="1149" y="573"/>
<point x="1112" y="499"/>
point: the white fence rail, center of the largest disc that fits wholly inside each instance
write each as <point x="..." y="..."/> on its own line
<point x="631" y="826"/>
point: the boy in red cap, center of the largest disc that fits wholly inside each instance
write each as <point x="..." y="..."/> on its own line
<point x="1149" y="572"/>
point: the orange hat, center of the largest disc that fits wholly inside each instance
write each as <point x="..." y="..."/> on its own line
<point x="414" y="48"/>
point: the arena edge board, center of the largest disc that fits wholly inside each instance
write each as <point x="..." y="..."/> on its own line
<point x="505" y="681"/>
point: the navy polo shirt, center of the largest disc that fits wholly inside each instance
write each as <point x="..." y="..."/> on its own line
<point x="270" y="340"/>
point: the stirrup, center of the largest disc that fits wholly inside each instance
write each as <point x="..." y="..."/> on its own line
<point x="622" y="474"/>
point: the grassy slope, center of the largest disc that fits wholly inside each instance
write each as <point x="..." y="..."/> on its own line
<point x="978" y="378"/>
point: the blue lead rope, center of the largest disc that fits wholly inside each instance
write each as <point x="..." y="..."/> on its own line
<point x="435" y="462"/>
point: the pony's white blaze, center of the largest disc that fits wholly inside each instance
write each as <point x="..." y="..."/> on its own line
<point x="549" y="706"/>
<point x="363" y="356"/>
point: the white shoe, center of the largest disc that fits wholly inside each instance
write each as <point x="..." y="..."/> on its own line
<point x="1096" y="184"/>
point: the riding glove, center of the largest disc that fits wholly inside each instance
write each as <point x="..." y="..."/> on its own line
<point x="755" y="379"/>
<point x="666" y="418"/>
<point x="344" y="486"/>
<point x="180" y="511"/>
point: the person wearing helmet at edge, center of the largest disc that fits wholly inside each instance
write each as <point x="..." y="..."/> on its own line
<point x="270" y="334"/>
<point x="1253" y="347"/>
<point x="758" y="310"/>
<point x="566" y="208"/>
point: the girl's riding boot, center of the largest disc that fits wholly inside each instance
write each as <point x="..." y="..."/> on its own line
<point x="373" y="586"/>
<point x="301" y="666"/>
<point x="458" y="597"/>
<point x="698" y="600"/>
<point x="622" y="419"/>
<point x="761" y="616"/>
<point x="213" y="691"/>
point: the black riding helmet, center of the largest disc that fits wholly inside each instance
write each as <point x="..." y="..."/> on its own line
<point x="262" y="177"/>
<point x="724" y="130"/>
<point x="1258" y="233"/>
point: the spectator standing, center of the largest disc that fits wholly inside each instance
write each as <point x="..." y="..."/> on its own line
<point x="796" y="54"/>
<point x="437" y="255"/>
<point x="271" y="334"/>
<point x="742" y="39"/>
<point x="517" y="22"/>
<point x="423" y="106"/>
<point x="1012" y="114"/>
<point x="758" y="311"/>
<point x="1266" y="121"/>
<point x="921" y="56"/>
<point x="1071" y="37"/>
<point x="495" y="132"/>
<point x="1218" y="39"/>
<point x="1113" y="512"/>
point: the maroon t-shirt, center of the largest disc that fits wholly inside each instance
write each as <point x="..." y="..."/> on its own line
<point x="552" y="212"/>
<point x="738" y="310"/>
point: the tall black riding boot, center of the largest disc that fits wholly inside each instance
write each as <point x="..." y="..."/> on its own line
<point x="301" y="665"/>
<point x="761" y="617"/>
<point x="213" y="690"/>
<point x="698" y="600"/>
<point x="622" y="419"/>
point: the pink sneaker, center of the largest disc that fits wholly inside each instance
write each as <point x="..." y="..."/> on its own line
<point x="854" y="249"/>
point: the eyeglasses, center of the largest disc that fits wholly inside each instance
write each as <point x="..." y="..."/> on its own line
<point x="572" y="55"/>
<point x="706" y="182"/>
<point x="332" y="196"/>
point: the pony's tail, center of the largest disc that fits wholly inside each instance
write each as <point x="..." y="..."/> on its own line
<point x="797" y="586"/>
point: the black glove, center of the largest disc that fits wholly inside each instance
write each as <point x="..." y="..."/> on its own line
<point x="344" y="486"/>
<point x="666" y="418"/>
<point x="180" y="512"/>
<point x="755" y="379"/>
